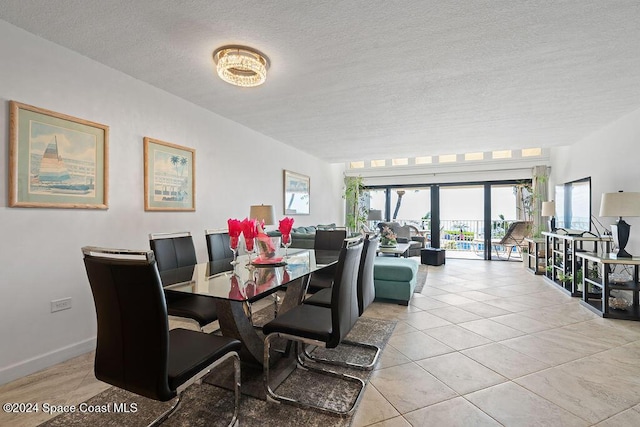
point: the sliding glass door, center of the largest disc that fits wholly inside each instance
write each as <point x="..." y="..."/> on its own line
<point x="464" y="219"/>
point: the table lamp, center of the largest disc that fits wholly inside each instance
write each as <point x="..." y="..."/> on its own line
<point x="549" y="210"/>
<point x="620" y="204"/>
<point x="264" y="213"/>
<point x="374" y="215"/>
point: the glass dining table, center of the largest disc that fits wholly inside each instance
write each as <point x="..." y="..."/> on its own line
<point x="234" y="288"/>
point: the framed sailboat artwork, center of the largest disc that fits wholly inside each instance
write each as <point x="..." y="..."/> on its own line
<point x="56" y="161"/>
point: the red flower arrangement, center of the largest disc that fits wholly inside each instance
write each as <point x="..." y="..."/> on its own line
<point x="235" y="228"/>
<point x="284" y="227"/>
<point x="249" y="232"/>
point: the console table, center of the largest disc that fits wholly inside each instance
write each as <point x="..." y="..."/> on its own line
<point x="596" y="278"/>
<point x="536" y="255"/>
<point x="562" y="264"/>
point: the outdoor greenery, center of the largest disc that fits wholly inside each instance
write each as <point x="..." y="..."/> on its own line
<point x="499" y="227"/>
<point x="455" y="234"/>
<point x="426" y="221"/>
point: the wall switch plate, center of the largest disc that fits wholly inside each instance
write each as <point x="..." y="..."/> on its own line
<point x="60" y="304"/>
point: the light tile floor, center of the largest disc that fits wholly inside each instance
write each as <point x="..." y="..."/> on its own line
<point x="499" y="346"/>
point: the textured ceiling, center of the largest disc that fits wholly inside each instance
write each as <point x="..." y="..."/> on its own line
<point x="357" y="80"/>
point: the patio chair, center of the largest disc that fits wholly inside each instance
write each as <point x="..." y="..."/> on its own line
<point x="514" y="237"/>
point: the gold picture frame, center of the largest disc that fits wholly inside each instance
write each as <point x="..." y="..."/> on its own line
<point x="56" y="160"/>
<point x="169" y="176"/>
<point x="297" y="194"/>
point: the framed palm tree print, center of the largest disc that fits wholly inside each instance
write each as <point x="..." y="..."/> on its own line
<point x="169" y="176"/>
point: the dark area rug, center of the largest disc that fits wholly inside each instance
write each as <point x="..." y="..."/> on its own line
<point x="209" y="405"/>
<point x="421" y="279"/>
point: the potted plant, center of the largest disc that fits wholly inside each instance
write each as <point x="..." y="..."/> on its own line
<point x="388" y="237"/>
<point x="355" y="197"/>
<point x="529" y="199"/>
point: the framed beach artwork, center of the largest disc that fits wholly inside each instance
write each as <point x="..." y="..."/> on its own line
<point x="56" y="161"/>
<point x="297" y="194"/>
<point x="169" y="176"/>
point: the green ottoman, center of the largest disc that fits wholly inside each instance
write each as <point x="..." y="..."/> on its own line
<point x="395" y="278"/>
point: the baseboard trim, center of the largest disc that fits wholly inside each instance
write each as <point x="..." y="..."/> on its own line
<point x="38" y="363"/>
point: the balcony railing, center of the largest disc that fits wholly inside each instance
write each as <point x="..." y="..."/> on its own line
<point x="462" y="235"/>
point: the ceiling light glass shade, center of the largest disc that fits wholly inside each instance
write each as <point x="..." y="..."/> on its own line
<point x="241" y="66"/>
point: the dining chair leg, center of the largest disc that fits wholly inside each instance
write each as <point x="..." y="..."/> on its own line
<point x="347" y="364"/>
<point x="166" y="414"/>
<point x="274" y="397"/>
<point x="236" y="388"/>
<point x="276" y="301"/>
<point x="197" y="380"/>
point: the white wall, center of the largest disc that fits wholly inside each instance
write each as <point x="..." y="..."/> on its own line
<point x="611" y="157"/>
<point x="40" y="248"/>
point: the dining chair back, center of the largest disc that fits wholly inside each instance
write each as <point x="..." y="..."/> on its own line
<point x="326" y="240"/>
<point x="176" y="250"/>
<point x="218" y="245"/>
<point x="135" y="349"/>
<point x="329" y="239"/>
<point x="344" y="310"/>
<point x="173" y="250"/>
<point x="366" y="288"/>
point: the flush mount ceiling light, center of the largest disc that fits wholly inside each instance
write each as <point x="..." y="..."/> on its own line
<point x="241" y="66"/>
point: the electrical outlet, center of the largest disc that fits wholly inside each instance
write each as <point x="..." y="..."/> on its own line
<point x="60" y="304"/>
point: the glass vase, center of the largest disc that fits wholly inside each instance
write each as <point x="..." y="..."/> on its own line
<point x="233" y="245"/>
<point x="286" y="242"/>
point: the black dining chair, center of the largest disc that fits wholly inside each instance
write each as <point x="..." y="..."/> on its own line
<point x="135" y="349"/>
<point x="366" y="293"/>
<point x="173" y="250"/>
<point x="320" y="326"/>
<point x="329" y="239"/>
<point x="176" y="250"/>
<point x="218" y="245"/>
<point x="326" y="240"/>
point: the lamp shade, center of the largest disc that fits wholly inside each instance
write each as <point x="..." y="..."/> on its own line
<point x="264" y="213"/>
<point x="620" y="204"/>
<point x="374" y="215"/>
<point x="548" y="208"/>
